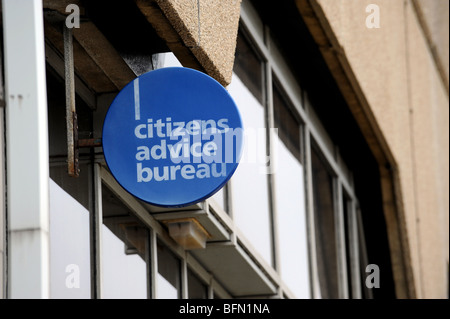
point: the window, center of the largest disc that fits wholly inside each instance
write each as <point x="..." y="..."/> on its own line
<point x="250" y="198"/>
<point x="70" y="259"/>
<point x="197" y="290"/>
<point x="366" y="293"/>
<point x="125" y="251"/>
<point x="290" y="199"/>
<point x="304" y="209"/>
<point x="325" y="227"/>
<point x="69" y="240"/>
<point x="349" y="243"/>
<point x="249" y="68"/>
<point x="169" y="274"/>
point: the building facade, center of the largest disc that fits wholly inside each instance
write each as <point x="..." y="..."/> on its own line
<point x="342" y="190"/>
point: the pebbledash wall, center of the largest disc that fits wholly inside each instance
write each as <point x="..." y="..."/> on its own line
<point x="358" y="90"/>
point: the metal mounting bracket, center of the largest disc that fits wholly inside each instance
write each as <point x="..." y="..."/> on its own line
<point x="73" y="143"/>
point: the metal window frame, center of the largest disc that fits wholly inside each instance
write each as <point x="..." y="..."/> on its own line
<point x="95" y="231"/>
<point x="3" y="217"/>
<point x="354" y="250"/>
<point x="270" y="142"/>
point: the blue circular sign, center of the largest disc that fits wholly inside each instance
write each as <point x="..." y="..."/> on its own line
<point x="172" y="137"/>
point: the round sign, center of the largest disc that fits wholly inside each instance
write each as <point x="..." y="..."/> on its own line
<point x="172" y="137"/>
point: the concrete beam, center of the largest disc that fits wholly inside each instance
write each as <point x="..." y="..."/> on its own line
<point x="26" y="149"/>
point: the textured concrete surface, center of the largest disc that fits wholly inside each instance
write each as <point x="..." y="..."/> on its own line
<point x="209" y="29"/>
<point x="400" y="79"/>
<point x="184" y="17"/>
<point x="428" y="104"/>
<point x="433" y="15"/>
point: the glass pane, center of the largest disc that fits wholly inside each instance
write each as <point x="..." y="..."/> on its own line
<point x="219" y="197"/>
<point x="290" y="192"/>
<point x="288" y="127"/>
<point x="69" y="243"/>
<point x="248" y="67"/>
<point x="124" y="251"/>
<point x="249" y="182"/>
<point x="324" y="227"/>
<point x="124" y="272"/>
<point x="196" y="289"/>
<point x="169" y="274"/>
<point x="78" y="187"/>
<point x="69" y="199"/>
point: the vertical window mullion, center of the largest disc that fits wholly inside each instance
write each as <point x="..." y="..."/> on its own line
<point x="310" y="220"/>
<point x="3" y="219"/>
<point x="340" y="239"/>
<point x="228" y="199"/>
<point x="148" y="265"/>
<point x="249" y="183"/>
<point x="268" y="104"/>
<point x="184" y="279"/>
<point x="354" y="251"/>
<point x="96" y="220"/>
<point x="152" y="264"/>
